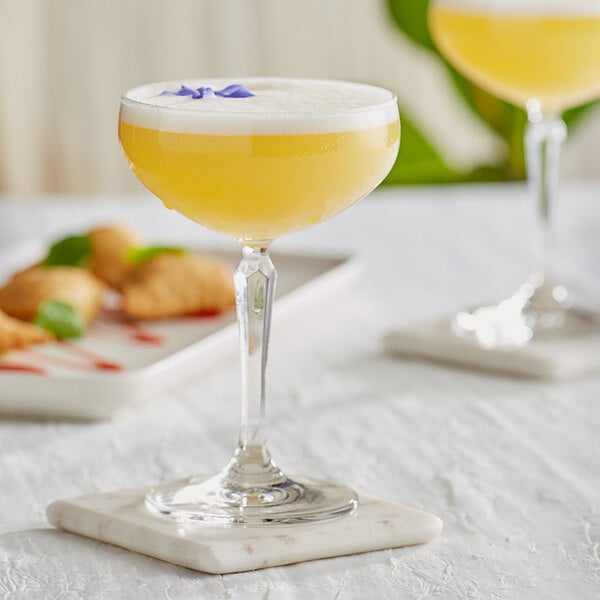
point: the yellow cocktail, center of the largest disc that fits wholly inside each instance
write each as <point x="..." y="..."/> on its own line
<point x="518" y="53"/>
<point x="258" y="178"/>
<point x="256" y="160"/>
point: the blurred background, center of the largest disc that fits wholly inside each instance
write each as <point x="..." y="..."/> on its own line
<point x="64" y="63"/>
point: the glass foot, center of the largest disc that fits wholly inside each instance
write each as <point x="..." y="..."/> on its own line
<point x="532" y="312"/>
<point x="217" y="501"/>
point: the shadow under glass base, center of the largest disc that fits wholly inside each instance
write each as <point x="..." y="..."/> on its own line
<point x="217" y="501"/>
<point x="532" y="312"/>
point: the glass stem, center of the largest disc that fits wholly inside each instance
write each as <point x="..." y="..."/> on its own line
<point x="254" y="279"/>
<point x="543" y="141"/>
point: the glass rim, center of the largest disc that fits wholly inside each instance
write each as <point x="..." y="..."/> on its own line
<point x="536" y="8"/>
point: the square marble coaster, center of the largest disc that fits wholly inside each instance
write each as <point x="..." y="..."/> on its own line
<point x="546" y="358"/>
<point x="120" y="518"/>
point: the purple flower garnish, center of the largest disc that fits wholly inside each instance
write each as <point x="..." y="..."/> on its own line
<point x="231" y="91"/>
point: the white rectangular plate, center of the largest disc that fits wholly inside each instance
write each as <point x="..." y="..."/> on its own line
<point x="119" y="362"/>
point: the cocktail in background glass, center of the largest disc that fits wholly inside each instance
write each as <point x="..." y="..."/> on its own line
<point x="544" y="56"/>
<point x="257" y="159"/>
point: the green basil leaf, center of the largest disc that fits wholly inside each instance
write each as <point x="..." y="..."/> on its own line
<point x="59" y="318"/>
<point x="137" y="256"/>
<point x="73" y="251"/>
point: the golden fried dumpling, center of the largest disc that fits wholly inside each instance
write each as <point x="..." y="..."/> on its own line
<point x="173" y="284"/>
<point x="24" y="293"/>
<point x="109" y="249"/>
<point x="15" y="334"/>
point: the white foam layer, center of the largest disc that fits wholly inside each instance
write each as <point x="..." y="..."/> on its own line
<point x="532" y="7"/>
<point x="278" y="106"/>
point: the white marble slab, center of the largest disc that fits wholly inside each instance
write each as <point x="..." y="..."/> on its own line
<point x="553" y="358"/>
<point x="120" y="518"/>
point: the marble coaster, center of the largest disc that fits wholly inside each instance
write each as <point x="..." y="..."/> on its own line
<point x="120" y="518"/>
<point x="553" y="358"/>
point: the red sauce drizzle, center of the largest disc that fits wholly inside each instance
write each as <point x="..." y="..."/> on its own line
<point x="108" y="366"/>
<point x="17" y="368"/>
<point x="133" y="330"/>
<point x="140" y="334"/>
<point x="97" y="361"/>
<point x="90" y="362"/>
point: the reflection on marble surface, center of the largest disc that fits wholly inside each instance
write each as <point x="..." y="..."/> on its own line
<point x="545" y="357"/>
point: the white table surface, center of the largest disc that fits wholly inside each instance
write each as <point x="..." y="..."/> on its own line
<point x="512" y="466"/>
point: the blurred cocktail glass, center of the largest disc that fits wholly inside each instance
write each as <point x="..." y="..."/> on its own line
<point x="544" y="56"/>
<point x="257" y="159"/>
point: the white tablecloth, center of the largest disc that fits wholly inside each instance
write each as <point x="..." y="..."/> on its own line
<point x="512" y="466"/>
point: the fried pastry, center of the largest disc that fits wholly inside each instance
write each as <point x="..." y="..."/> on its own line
<point x="109" y="249"/>
<point x="172" y="285"/>
<point x="27" y="290"/>
<point x="15" y="334"/>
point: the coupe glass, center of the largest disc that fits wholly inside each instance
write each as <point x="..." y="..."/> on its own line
<point x="257" y="159"/>
<point x="544" y="56"/>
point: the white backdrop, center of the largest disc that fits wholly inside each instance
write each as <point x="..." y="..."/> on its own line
<point x="63" y="64"/>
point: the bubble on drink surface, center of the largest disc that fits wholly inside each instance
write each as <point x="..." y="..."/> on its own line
<point x="277" y="106"/>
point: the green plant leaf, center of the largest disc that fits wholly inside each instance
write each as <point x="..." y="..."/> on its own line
<point x="59" y="318"/>
<point x="506" y="120"/>
<point x="573" y="115"/>
<point x="418" y="161"/>
<point x="73" y="251"/>
<point x="411" y="17"/>
<point x="140" y="255"/>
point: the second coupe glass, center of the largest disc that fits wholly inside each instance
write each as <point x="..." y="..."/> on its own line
<point x="544" y="56"/>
